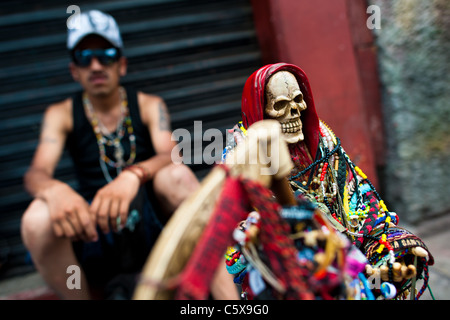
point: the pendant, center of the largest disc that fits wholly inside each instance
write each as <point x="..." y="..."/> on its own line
<point x="118" y="153"/>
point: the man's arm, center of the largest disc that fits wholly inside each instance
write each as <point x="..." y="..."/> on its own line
<point x="68" y="210"/>
<point x="155" y="116"/>
<point x="39" y="176"/>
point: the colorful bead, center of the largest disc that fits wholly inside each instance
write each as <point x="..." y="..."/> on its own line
<point x="324" y="171"/>
<point x="359" y="171"/>
<point x="388" y="290"/>
<point x="102" y="140"/>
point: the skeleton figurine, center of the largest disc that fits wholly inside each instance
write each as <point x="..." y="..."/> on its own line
<point x="326" y="175"/>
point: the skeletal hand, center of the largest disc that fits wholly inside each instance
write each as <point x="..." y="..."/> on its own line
<point x="400" y="271"/>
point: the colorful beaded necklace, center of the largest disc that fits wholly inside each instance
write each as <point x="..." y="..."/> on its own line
<point x="112" y="139"/>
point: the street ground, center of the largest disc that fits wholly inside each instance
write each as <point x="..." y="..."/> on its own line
<point x="435" y="233"/>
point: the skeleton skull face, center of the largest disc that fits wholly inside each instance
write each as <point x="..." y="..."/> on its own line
<point x="284" y="101"/>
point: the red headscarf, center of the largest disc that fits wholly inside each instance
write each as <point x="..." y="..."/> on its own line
<point x="253" y="101"/>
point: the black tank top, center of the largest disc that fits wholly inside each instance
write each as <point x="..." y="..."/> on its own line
<point x="82" y="146"/>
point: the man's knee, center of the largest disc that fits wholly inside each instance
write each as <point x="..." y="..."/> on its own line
<point x="35" y="224"/>
<point x="176" y="177"/>
<point x="175" y="183"/>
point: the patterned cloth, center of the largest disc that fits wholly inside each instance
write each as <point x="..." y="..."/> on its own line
<point x="237" y="199"/>
<point x="371" y="218"/>
<point x="232" y="207"/>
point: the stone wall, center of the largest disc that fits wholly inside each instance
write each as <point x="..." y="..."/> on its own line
<point x="413" y="48"/>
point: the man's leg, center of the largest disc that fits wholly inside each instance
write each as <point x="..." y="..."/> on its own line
<point x="51" y="255"/>
<point x="172" y="185"/>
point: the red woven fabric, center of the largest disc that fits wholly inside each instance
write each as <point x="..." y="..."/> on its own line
<point x="231" y="208"/>
<point x="237" y="199"/>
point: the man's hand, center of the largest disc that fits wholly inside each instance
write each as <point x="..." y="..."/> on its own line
<point x="69" y="213"/>
<point x="113" y="200"/>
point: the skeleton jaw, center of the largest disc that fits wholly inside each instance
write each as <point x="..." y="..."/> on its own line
<point x="292" y="130"/>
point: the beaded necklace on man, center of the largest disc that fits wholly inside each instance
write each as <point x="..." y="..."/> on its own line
<point x="112" y="139"/>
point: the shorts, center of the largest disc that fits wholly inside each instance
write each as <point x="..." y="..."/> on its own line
<point x="123" y="252"/>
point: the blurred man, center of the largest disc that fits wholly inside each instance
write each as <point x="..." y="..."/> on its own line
<point x="120" y="144"/>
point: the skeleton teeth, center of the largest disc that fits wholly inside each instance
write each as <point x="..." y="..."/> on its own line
<point x="290" y="127"/>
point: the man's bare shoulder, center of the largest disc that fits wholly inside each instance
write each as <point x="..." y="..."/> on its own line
<point x="64" y="106"/>
<point x="149" y="104"/>
<point x="60" y="113"/>
<point x="147" y="100"/>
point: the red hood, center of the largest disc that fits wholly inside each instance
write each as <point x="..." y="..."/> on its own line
<point x="253" y="101"/>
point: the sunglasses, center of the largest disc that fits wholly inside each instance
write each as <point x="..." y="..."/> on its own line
<point x="106" y="57"/>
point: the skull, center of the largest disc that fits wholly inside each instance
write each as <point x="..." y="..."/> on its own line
<point x="284" y="101"/>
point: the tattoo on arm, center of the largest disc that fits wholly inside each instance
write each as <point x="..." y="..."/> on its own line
<point x="164" y="122"/>
<point x="48" y="140"/>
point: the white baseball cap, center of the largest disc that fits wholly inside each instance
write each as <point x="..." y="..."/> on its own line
<point x="93" y="22"/>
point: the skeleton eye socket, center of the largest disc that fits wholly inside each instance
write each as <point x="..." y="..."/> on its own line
<point x="280" y="105"/>
<point x="298" y="98"/>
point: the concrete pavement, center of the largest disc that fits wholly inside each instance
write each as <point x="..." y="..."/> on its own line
<point x="435" y="233"/>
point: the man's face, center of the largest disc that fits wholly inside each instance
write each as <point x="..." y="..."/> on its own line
<point x="96" y="78"/>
